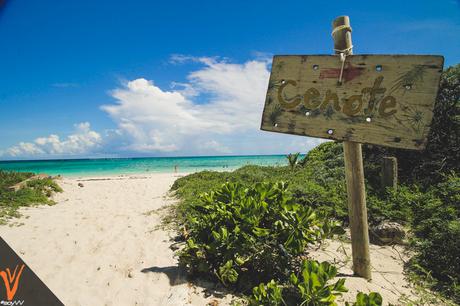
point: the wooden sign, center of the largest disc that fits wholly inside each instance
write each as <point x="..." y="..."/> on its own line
<point x="383" y="99"/>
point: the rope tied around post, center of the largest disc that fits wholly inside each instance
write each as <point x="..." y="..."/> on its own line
<point x="342" y="52"/>
<point x="341" y="27"/>
<point x="343" y="57"/>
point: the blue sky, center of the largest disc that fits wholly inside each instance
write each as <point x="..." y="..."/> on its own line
<point x="162" y="78"/>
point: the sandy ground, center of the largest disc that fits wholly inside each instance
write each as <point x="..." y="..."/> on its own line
<point x="387" y="263"/>
<point x="101" y="245"/>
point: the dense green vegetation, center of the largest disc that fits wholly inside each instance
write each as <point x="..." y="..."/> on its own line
<point x="427" y="202"/>
<point x="250" y="235"/>
<point x="36" y="191"/>
<point x="432" y="213"/>
<point x="313" y="285"/>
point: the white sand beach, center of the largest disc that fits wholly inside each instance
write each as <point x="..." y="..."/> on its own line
<point x="101" y="244"/>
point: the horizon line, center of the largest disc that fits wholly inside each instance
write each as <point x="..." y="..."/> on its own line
<point x="137" y="157"/>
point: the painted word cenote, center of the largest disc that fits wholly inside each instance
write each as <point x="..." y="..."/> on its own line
<point x="384" y="100"/>
<point x="371" y="100"/>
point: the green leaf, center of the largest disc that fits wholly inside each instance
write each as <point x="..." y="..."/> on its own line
<point x="340" y="285"/>
<point x="293" y="279"/>
<point x="315" y="283"/>
<point x="261" y="232"/>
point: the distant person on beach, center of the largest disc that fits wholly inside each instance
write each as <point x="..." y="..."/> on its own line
<point x="175" y="168"/>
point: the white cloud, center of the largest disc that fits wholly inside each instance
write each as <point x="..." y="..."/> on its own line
<point x="83" y="141"/>
<point x="179" y="120"/>
<point x="217" y="111"/>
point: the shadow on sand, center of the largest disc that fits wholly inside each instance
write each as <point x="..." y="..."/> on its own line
<point x="178" y="276"/>
<point x="175" y="274"/>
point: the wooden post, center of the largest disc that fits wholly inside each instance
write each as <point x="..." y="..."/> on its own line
<point x="389" y="172"/>
<point x="354" y="172"/>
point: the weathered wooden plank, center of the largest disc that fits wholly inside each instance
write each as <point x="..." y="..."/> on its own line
<point x="383" y="99"/>
<point x="357" y="210"/>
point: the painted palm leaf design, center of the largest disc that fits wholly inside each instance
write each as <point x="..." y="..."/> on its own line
<point x="410" y="78"/>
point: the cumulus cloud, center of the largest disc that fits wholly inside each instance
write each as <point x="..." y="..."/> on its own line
<point x="217" y="111"/>
<point x="82" y="141"/>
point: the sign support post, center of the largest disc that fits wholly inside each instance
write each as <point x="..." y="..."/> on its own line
<point x="354" y="171"/>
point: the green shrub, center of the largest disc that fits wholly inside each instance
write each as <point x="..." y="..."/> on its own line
<point x="436" y="227"/>
<point x="245" y="236"/>
<point x="46" y="186"/>
<point x="292" y="159"/>
<point x="433" y="216"/>
<point x="36" y="191"/>
<point x="371" y="299"/>
<point x="10" y="178"/>
<point x="392" y="205"/>
<point x="270" y="294"/>
<point x="314" y="286"/>
<point x="319" y="183"/>
<point x="328" y="199"/>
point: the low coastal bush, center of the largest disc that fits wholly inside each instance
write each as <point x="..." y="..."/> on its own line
<point x="363" y="299"/>
<point x="9" y="178"/>
<point x="247" y="235"/>
<point x="313" y="285"/>
<point x="436" y="227"/>
<point x="36" y="191"/>
<point x="320" y="183"/>
<point x="254" y="237"/>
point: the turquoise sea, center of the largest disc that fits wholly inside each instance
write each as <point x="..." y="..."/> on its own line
<point x="115" y="166"/>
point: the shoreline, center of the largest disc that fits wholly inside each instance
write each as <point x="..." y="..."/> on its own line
<point x="87" y="175"/>
<point x="142" y="175"/>
<point x="103" y="167"/>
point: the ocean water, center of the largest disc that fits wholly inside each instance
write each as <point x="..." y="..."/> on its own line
<point x="116" y="166"/>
